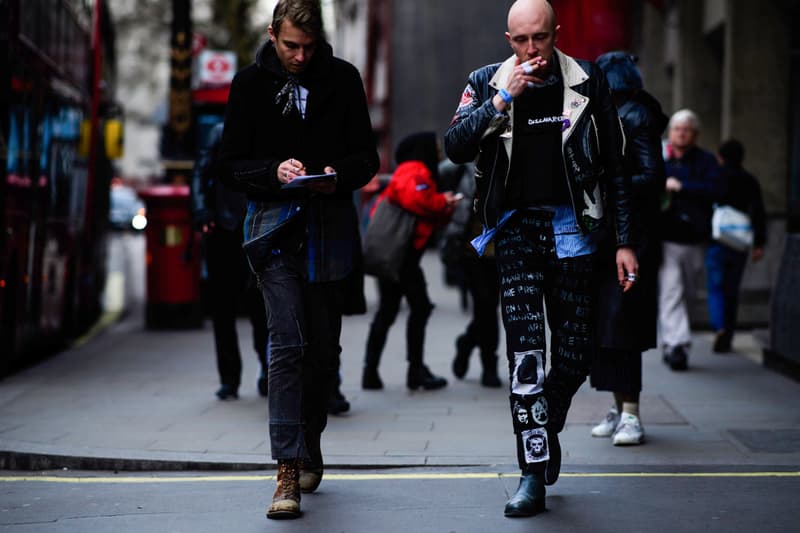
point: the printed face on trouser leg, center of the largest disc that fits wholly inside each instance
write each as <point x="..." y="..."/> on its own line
<point x="528" y="375"/>
<point x="535" y="445"/>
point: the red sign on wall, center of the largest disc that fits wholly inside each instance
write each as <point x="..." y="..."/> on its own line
<point x="216" y="68"/>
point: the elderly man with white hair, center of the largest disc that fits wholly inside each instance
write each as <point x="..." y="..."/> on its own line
<point x="693" y="185"/>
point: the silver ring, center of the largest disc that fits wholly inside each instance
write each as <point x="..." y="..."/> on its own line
<point x="632" y="277"/>
<point x="527" y="68"/>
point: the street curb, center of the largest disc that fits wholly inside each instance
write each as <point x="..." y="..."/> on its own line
<point x="24" y="461"/>
<point x="28" y="461"/>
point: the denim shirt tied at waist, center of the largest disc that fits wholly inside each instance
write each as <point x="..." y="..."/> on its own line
<point x="570" y="242"/>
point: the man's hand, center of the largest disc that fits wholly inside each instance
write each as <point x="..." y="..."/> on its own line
<point x="627" y="268"/>
<point x="524" y="75"/>
<point x="323" y="186"/>
<point x="673" y="184"/>
<point x="290" y="169"/>
<point x="451" y="198"/>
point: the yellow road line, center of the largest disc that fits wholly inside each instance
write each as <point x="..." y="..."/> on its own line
<point x="384" y="477"/>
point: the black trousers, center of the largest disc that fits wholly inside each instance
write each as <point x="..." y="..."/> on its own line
<point x="532" y="276"/>
<point x="229" y="285"/>
<point x="483" y="330"/>
<point x="412" y="285"/>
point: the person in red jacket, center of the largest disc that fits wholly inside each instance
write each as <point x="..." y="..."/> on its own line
<point x="412" y="187"/>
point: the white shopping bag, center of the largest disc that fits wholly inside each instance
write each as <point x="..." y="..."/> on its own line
<point x="732" y="228"/>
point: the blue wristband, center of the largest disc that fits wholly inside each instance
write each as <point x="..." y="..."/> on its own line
<point x="505" y="95"/>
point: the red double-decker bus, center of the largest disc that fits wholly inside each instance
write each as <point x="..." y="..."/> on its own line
<point x="54" y="184"/>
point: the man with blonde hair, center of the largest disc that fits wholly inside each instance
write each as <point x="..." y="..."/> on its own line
<point x="299" y="111"/>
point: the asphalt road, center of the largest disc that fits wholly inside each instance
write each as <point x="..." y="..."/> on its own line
<point x="455" y="500"/>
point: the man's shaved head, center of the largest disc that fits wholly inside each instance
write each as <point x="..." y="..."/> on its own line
<point x="529" y="8"/>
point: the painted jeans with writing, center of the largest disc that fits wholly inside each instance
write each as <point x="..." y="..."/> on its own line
<point x="532" y="276"/>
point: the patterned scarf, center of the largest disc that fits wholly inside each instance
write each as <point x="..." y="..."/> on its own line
<point x="287" y="96"/>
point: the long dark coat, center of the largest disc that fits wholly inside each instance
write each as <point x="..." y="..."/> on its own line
<point x="628" y="321"/>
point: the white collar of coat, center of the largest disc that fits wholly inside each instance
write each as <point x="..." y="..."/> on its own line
<point x="571" y="71"/>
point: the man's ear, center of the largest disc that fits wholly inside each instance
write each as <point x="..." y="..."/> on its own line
<point x="508" y="37"/>
<point x="555" y="33"/>
<point x="271" y="33"/>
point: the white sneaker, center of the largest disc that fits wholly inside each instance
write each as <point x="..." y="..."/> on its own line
<point x="606" y="427"/>
<point x="629" y="431"/>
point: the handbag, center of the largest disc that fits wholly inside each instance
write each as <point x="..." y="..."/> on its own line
<point x="387" y="240"/>
<point x="732" y="228"/>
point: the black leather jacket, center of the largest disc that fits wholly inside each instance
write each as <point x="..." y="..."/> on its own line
<point x="592" y="144"/>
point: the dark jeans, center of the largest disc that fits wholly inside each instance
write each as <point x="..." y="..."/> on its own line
<point x="412" y="285"/>
<point x="531" y="276"/>
<point x="483" y="330"/>
<point x="305" y="323"/>
<point x="228" y="276"/>
<point x="724" y="270"/>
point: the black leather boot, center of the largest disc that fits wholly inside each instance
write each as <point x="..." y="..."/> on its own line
<point x="529" y="498"/>
<point x="337" y="403"/>
<point x="461" y="360"/>
<point x="370" y="379"/>
<point x="420" y="376"/>
<point x="554" y="463"/>
<point x="489" y="376"/>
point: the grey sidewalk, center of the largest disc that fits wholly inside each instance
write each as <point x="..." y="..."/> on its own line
<point x="129" y="398"/>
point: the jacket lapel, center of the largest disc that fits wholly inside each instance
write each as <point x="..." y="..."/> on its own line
<point x="574" y="103"/>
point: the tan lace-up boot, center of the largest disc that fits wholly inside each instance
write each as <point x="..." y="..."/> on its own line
<point x="286" y="500"/>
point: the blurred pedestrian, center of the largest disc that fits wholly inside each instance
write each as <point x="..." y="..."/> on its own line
<point x="693" y="185"/>
<point x="547" y="143"/>
<point x="219" y="213"/>
<point x="413" y="188"/>
<point x="453" y="272"/>
<point x="725" y="265"/>
<point x="479" y="274"/>
<point x="627" y="325"/>
<point x="297" y="112"/>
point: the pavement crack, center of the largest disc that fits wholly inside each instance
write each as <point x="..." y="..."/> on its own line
<point x="12" y="524"/>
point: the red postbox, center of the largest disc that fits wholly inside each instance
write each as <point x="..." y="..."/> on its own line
<point x="173" y="259"/>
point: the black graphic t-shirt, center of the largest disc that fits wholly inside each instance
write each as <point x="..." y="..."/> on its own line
<point x="537" y="170"/>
